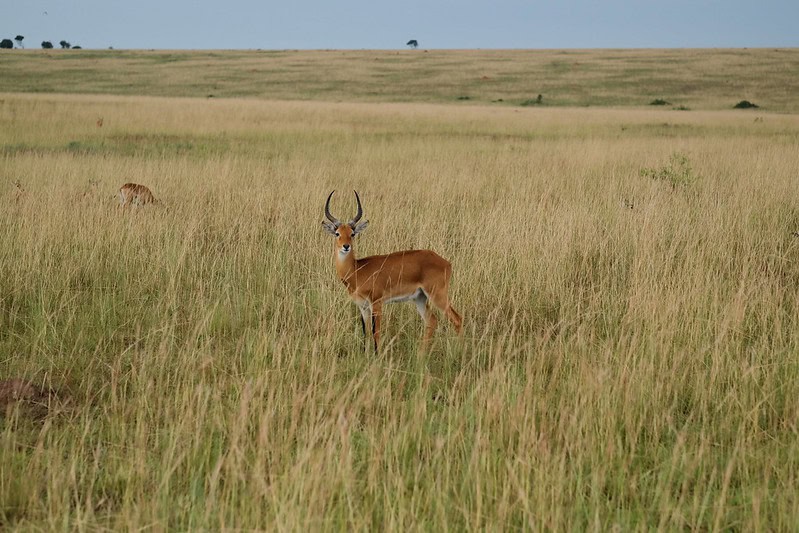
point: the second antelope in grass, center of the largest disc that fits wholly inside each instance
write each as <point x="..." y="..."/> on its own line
<point x="421" y="276"/>
<point x="133" y="194"/>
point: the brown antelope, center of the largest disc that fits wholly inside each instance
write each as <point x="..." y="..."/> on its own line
<point x="418" y="275"/>
<point x="132" y="194"/>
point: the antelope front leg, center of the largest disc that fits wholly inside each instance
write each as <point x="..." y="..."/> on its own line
<point x="377" y="314"/>
<point x="366" y="316"/>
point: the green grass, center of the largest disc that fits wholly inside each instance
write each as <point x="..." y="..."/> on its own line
<point x="699" y="79"/>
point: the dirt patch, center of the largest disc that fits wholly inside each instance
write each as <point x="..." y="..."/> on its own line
<point x="35" y="400"/>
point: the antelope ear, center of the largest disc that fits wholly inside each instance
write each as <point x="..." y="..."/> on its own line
<point x="356" y="229"/>
<point x="329" y="227"/>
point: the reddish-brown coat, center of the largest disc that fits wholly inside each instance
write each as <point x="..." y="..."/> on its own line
<point x="378" y="279"/>
<point x="132" y="193"/>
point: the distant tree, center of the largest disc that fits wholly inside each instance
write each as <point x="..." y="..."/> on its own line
<point x="413" y="43"/>
<point x="6" y="43"/>
<point x="65" y="45"/>
<point x="77" y="47"/>
<point x="19" y="38"/>
<point x="47" y="44"/>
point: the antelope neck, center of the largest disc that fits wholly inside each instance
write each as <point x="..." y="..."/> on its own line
<point x="345" y="267"/>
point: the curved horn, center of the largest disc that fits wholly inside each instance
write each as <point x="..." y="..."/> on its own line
<point x="360" y="209"/>
<point x="329" y="216"/>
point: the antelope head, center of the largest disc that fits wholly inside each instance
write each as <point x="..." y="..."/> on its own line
<point x="344" y="232"/>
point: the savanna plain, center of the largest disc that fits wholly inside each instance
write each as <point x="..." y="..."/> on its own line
<point x="628" y="276"/>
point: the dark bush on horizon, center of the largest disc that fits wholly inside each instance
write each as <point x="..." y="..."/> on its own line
<point x="537" y="101"/>
<point x="745" y="104"/>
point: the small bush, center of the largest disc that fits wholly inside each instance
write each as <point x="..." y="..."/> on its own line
<point x="659" y="101"/>
<point x="464" y="98"/>
<point x="677" y="173"/>
<point x="681" y="108"/>
<point x="538" y="100"/>
<point x="745" y="104"/>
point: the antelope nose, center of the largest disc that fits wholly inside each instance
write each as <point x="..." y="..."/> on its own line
<point x="346" y="247"/>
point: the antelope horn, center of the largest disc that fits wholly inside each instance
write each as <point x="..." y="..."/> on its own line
<point x="329" y="216"/>
<point x="360" y="210"/>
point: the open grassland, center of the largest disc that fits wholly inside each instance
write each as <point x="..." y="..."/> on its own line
<point x="696" y="79"/>
<point x="620" y="368"/>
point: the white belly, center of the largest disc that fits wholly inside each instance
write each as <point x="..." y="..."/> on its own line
<point x="405" y="297"/>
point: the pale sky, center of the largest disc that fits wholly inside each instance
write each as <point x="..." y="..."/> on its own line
<point x="379" y="24"/>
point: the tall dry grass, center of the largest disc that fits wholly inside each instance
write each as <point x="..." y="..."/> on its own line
<point x="620" y="368"/>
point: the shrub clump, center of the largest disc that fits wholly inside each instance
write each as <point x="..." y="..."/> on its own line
<point x="659" y="101"/>
<point x="745" y="104"/>
<point x="677" y="172"/>
<point x="537" y="101"/>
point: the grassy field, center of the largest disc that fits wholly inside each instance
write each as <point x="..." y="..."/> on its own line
<point x="621" y="368"/>
<point x="694" y="79"/>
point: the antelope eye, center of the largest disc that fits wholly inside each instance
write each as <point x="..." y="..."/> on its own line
<point x="338" y="234"/>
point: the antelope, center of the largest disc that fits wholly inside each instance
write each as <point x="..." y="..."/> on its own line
<point x="418" y="275"/>
<point x="132" y="194"/>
